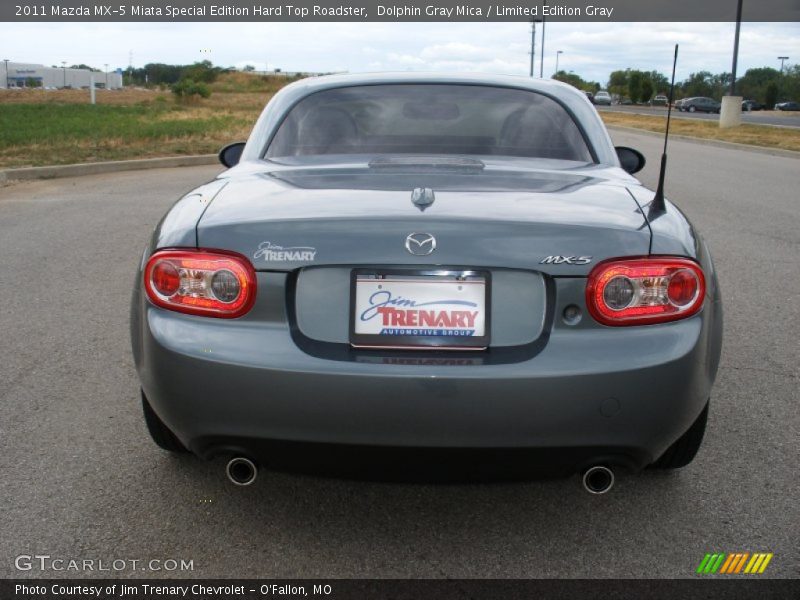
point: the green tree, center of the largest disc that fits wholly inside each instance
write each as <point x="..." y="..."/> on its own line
<point x="698" y="84"/>
<point x="635" y="81"/>
<point x="202" y="72"/>
<point x="618" y="83"/>
<point x="577" y="81"/>
<point x="771" y="94"/>
<point x="160" y="73"/>
<point x="83" y="66"/>
<point x="660" y="82"/>
<point x="721" y="85"/>
<point x="647" y="89"/>
<point x="790" y="83"/>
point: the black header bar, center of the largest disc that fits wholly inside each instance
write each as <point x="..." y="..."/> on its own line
<point x="395" y="10"/>
<point x="732" y="588"/>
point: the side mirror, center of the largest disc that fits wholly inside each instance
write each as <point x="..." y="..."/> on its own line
<point x="631" y="160"/>
<point x="231" y="154"/>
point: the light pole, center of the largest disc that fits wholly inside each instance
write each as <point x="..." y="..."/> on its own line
<point x="106" y="66"/>
<point x="730" y="112"/>
<point x="64" y="68"/>
<point x="5" y="60"/>
<point x="736" y="47"/>
<point x="533" y="44"/>
<point x="558" y="54"/>
<point x="541" y="63"/>
<point x="780" y="58"/>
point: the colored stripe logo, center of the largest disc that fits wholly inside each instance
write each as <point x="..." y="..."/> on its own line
<point x="734" y="563"/>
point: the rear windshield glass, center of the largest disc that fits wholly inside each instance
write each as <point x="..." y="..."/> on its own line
<point x="429" y="119"/>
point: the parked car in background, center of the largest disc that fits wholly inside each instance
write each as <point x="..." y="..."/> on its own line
<point x="679" y="104"/>
<point x="700" y="104"/>
<point x="602" y="97"/>
<point x="590" y="96"/>
<point x="752" y="105"/>
<point x="660" y="100"/>
<point x="787" y="106"/>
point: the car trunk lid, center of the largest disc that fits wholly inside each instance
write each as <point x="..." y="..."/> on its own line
<point x="552" y="220"/>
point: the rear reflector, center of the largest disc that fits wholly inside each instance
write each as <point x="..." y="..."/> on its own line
<point x="211" y="283"/>
<point x="645" y="290"/>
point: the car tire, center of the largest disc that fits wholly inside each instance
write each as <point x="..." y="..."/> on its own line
<point x="683" y="451"/>
<point x="692" y="109"/>
<point x="161" y="434"/>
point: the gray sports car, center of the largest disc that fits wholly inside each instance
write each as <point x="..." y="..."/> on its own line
<point x="437" y="263"/>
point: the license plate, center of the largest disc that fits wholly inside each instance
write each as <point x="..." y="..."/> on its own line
<point x="420" y="309"/>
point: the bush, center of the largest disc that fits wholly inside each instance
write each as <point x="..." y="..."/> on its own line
<point x="187" y="88"/>
<point x="203" y="72"/>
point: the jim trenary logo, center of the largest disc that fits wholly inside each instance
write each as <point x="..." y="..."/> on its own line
<point x="735" y="563"/>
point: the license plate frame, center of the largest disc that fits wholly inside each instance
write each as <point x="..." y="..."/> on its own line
<point x="421" y="342"/>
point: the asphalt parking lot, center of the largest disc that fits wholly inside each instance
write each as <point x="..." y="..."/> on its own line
<point x="757" y="117"/>
<point x="82" y="480"/>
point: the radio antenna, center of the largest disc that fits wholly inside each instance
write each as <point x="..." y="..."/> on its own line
<point x="658" y="200"/>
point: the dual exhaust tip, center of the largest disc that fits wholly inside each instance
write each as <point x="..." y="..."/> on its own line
<point x="597" y="480"/>
<point x="241" y="470"/>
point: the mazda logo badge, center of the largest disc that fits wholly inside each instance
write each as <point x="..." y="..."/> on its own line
<point x="420" y="244"/>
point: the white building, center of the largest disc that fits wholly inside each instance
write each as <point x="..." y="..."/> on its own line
<point x="19" y="75"/>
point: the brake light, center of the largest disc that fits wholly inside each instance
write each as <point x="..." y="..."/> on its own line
<point x="211" y="283"/>
<point x="645" y="290"/>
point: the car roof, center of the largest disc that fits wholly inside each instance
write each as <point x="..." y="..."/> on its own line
<point x="550" y="87"/>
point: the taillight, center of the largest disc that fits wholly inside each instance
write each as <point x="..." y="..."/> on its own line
<point x="201" y="282"/>
<point x="645" y="290"/>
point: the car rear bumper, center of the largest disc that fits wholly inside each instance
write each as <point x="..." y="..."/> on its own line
<point x="622" y="395"/>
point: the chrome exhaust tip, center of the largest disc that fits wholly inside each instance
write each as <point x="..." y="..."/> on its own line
<point x="241" y="470"/>
<point x="598" y="479"/>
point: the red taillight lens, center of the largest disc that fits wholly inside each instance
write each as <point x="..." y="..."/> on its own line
<point x="165" y="278"/>
<point x="645" y="290"/>
<point x="201" y="282"/>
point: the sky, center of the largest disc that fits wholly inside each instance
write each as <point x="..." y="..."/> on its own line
<point x="591" y="50"/>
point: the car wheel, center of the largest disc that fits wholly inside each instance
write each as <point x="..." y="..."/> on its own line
<point x="161" y="434"/>
<point x="692" y="109"/>
<point x="683" y="451"/>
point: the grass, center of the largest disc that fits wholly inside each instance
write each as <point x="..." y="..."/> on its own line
<point x="50" y="134"/>
<point x="51" y="127"/>
<point x="756" y="135"/>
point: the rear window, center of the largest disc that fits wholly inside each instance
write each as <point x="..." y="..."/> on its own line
<point x="429" y="119"/>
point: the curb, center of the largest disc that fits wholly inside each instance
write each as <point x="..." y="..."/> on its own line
<point x="28" y="173"/>
<point x="707" y="142"/>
